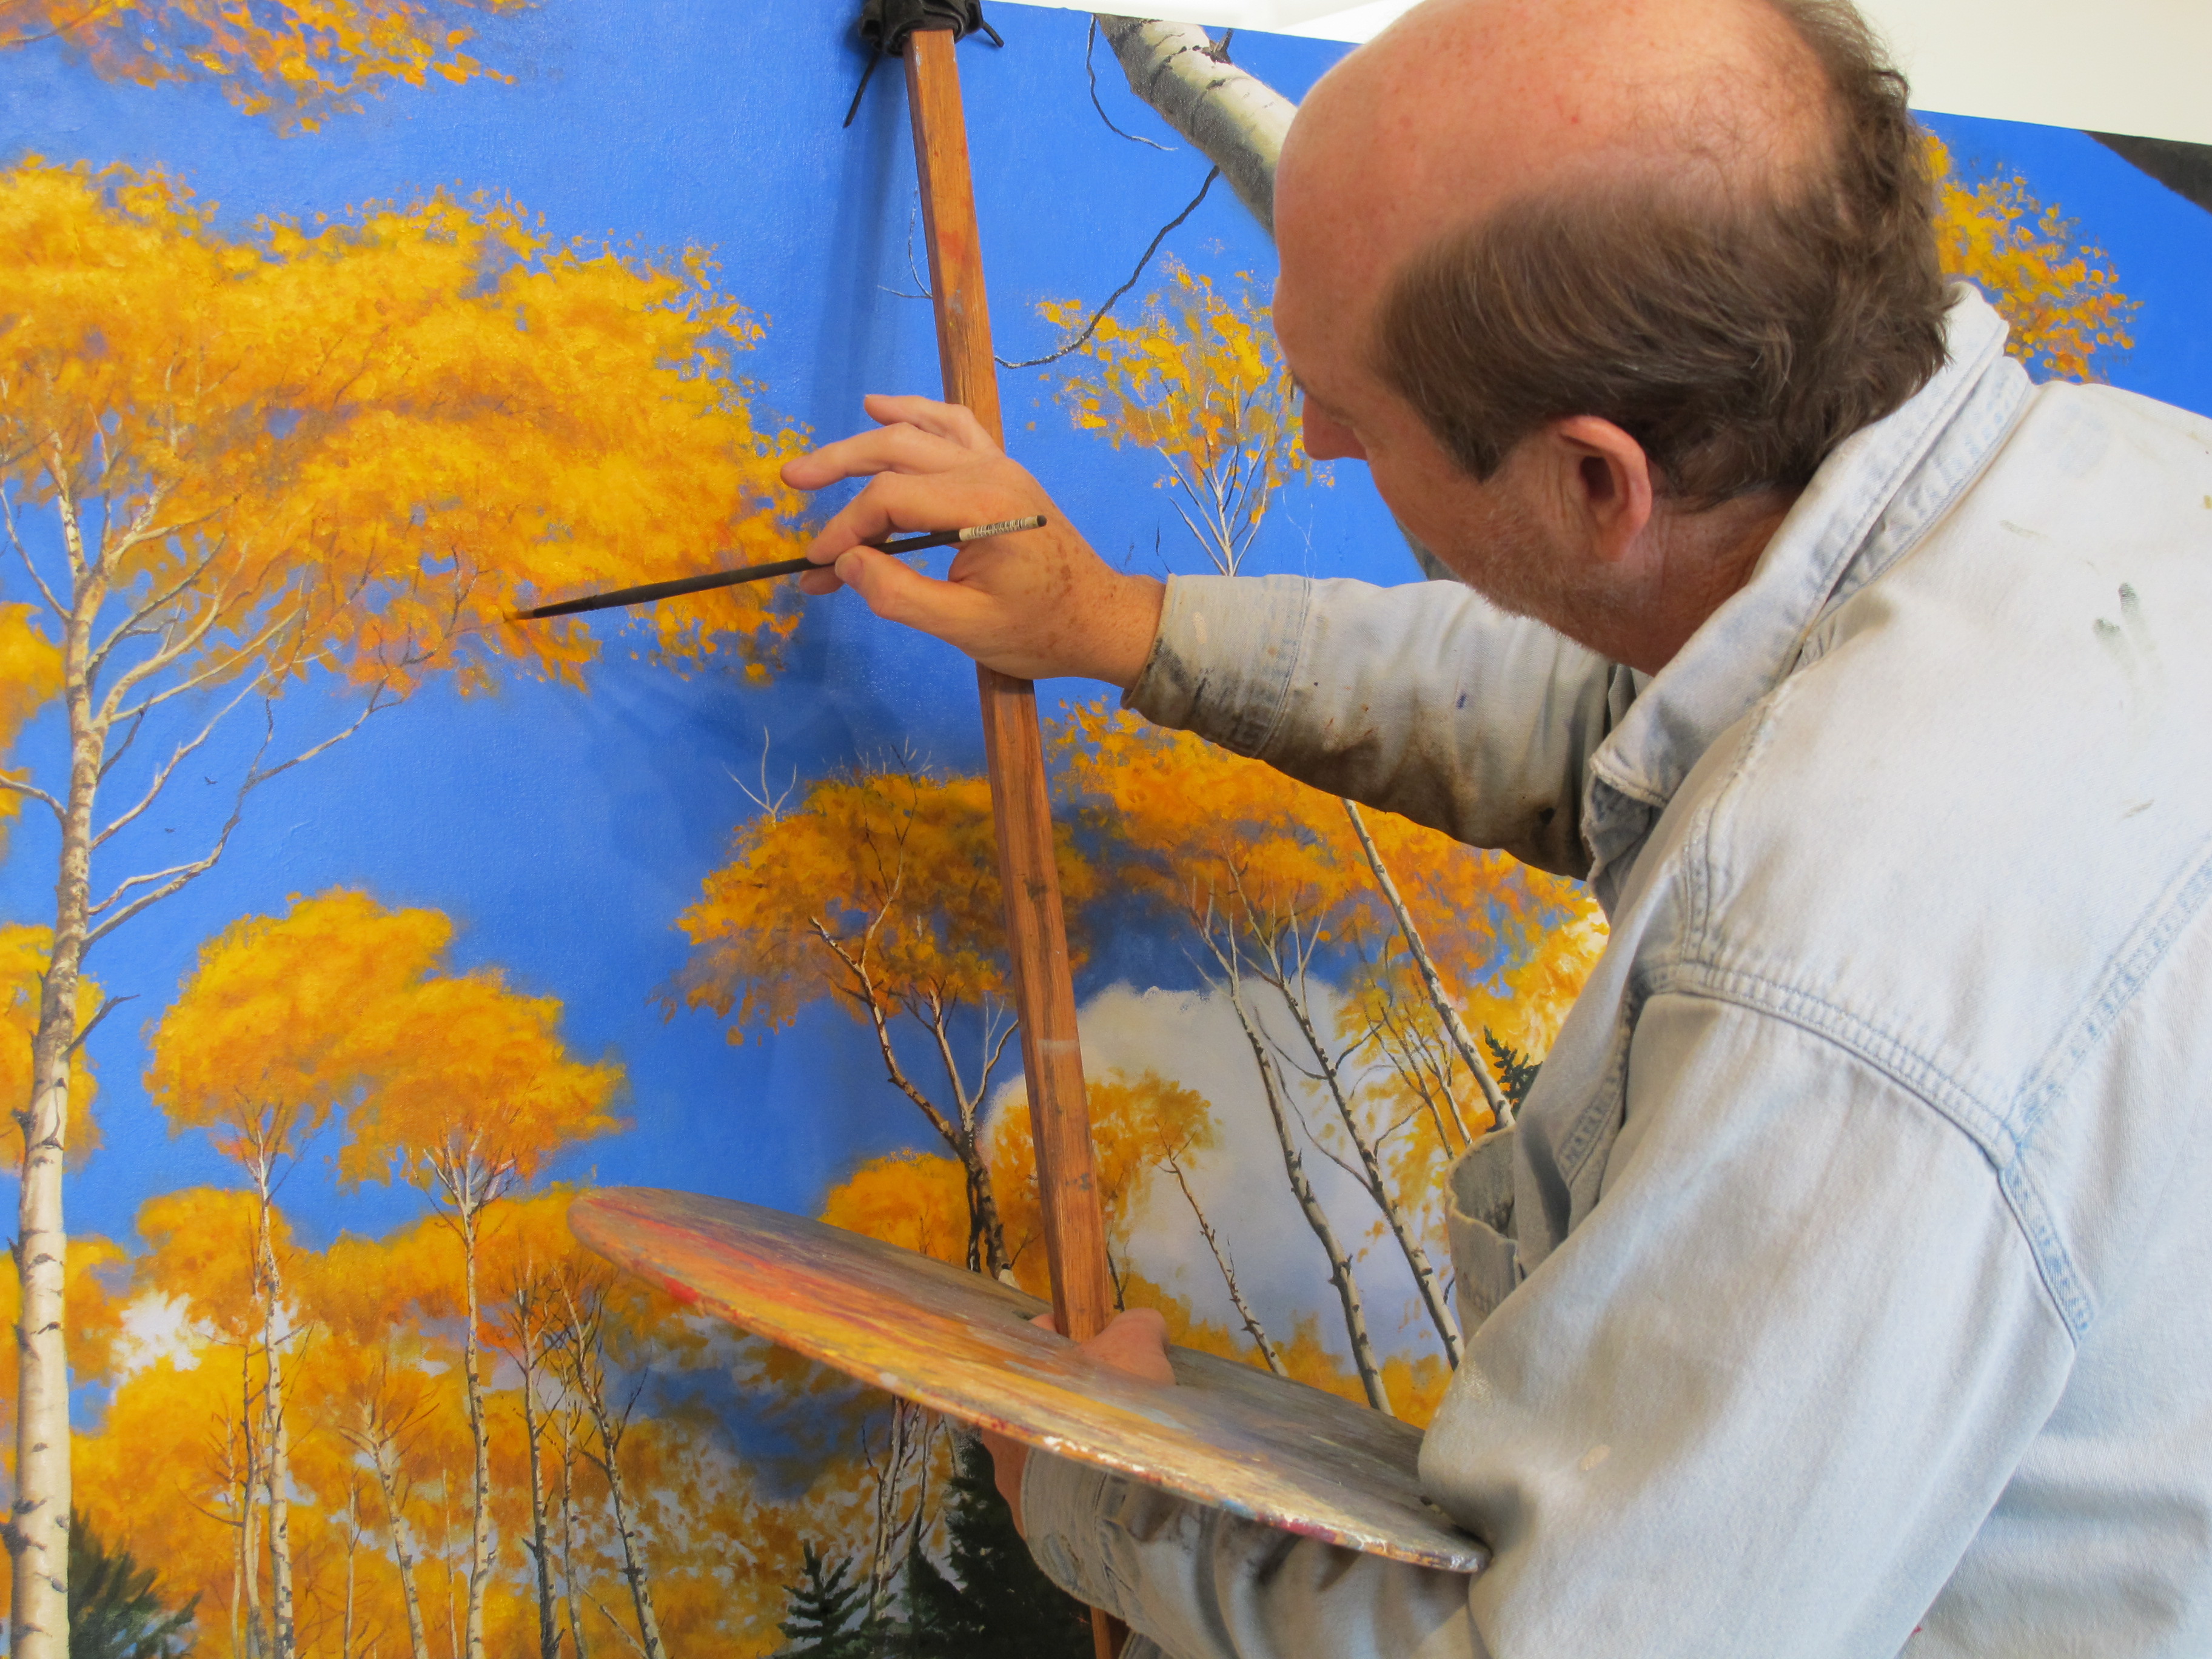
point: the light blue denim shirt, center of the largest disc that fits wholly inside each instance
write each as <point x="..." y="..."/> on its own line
<point x="1863" y="1293"/>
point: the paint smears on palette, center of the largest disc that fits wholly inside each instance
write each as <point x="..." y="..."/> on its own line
<point x="1226" y="1435"/>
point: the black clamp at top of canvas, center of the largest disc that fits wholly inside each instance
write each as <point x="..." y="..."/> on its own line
<point x="885" y="24"/>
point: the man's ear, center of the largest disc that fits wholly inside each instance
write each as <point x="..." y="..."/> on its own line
<point x="1607" y="483"/>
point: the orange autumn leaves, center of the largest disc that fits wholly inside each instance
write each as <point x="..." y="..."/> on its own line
<point x="356" y="446"/>
<point x="297" y="62"/>
<point x="343" y="1006"/>
<point x="2061" y="296"/>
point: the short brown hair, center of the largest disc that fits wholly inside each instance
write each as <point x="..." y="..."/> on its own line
<point x="1738" y="341"/>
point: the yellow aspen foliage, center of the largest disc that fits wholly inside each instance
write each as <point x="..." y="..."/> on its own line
<point x="473" y="1089"/>
<point x="160" y="1477"/>
<point x="1197" y="379"/>
<point x="297" y="62"/>
<point x="1203" y="828"/>
<point x="883" y="883"/>
<point x="264" y="1040"/>
<point x="2061" y="295"/>
<point x="357" y="446"/>
<point x="22" y="960"/>
<point x="201" y="1250"/>
<point x="916" y="1201"/>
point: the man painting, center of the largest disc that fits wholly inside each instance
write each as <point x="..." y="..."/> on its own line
<point x="1842" y="1289"/>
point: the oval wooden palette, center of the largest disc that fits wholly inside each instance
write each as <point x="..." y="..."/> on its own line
<point x="1226" y="1435"/>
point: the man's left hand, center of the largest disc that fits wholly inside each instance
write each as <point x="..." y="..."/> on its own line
<point x="1135" y="1341"/>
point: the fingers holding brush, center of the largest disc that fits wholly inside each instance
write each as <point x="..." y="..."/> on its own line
<point x="1033" y="603"/>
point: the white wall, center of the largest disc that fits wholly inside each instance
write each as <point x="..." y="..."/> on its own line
<point x="2143" y="66"/>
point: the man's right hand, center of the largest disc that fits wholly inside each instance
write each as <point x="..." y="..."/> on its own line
<point x="1033" y="604"/>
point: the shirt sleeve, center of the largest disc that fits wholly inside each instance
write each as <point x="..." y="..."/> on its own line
<point x="1758" y="1402"/>
<point x="1424" y="700"/>
<point x="1198" y="1581"/>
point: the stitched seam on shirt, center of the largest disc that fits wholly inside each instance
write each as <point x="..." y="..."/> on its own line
<point x="2162" y="923"/>
<point x="1300" y="635"/>
<point x="1921" y="1078"/>
<point x="1704" y="866"/>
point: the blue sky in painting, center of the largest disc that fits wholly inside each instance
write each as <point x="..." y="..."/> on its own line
<point x="565" y="831"/>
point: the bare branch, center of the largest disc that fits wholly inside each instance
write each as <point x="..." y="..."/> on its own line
<point x="177" y="877"/>
<point x="36" y="793"/>
<point x="162" y="777"/>
<point x="106" y="1007"/>
<point x="1136" y="276"/>
<point x="8" y="511"/>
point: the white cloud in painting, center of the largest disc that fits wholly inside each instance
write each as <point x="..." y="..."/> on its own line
<point x="155" y="1329"/>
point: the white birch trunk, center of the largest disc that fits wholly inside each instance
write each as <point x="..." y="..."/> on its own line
<point x="37" y="1532"/>
<point x="568" y="1541"/>
<point x="470" y="1209"/>
<point x="1236" y="119"/>
<point x="276" y="1435"/>
<point x="382" y="1459"/>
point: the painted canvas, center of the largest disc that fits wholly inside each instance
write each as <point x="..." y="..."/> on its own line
<point x="348" y="930"/>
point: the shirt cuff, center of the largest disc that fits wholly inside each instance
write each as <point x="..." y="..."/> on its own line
<point x="1222" y="660"/>
<point x="1064" y="1520"/>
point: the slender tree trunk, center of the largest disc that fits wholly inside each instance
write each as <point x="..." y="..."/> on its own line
<point x="568" y="1543"/>
<point x="1376" y="1181"/>
<point x="588" y="1373"/>
<point x="470" y="1211"/>
<point x="1257" y="1332"/>
<point x="395" y="1523"/>
<point x="633" y="1552"/>
<point x="1340" y="1264"/>
<point x="37" y="1533"/>
<point x="986" y="1237"/>
<point x="276" y="1435"/>
<point x="353" y="1548"/>
<point x="257" y="1631"/>
<point x="884" y="1558"/>
<point x="1501" y="1109"/>
<point x="1235" y="119"/>
<point x="533" y="1431"/>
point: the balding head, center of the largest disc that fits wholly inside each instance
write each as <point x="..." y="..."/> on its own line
<point x="1465" y="104"/>
<point x="1704" y="221"/>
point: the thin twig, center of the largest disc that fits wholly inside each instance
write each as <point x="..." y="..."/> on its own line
<point x="1099" y="316"/>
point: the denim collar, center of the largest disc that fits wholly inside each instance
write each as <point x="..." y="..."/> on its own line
<point x="1868" y="505"/>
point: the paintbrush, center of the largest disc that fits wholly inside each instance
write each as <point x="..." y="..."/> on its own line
<point x="648" y="592"/>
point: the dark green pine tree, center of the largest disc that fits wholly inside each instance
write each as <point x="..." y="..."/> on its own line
<point x="824" y="1612"/>
<point x="113" y="1611"/>
<point x="997" y="1603"/>
<point x="1515" y="1073"/>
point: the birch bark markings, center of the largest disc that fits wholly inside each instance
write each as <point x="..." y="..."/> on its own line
<point x="1235" y="119"/>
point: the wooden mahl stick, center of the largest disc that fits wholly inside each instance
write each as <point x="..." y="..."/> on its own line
<point x="1037" y="932"/>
